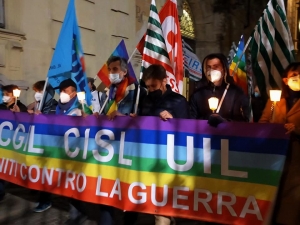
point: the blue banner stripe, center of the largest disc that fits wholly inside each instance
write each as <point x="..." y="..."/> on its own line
<point x="143" y="150"/>
<point x="241" y="144"/>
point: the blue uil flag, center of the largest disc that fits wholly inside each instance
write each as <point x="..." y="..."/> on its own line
<point x="67" y="61"/>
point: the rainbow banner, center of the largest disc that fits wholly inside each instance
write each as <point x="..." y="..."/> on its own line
<point x="180" y="168"/>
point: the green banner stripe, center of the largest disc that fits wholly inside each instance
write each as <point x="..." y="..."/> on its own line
<point x="267" y="177"/>
<point x="277" y="63"/>
<point x="153" y="34"/>
<point x="153" y="8"/>
<point x="281" y="14"/>
<point x="270" y="17"/>
<point x="154" y="22"/>
<point x="258" y="73"/>
<point x="266" y="30"/>
<point x="283" y="47"/>
<point x="157" y="49"/>
<point x="264" y="53"/>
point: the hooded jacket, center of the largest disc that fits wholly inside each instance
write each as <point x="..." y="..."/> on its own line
<point x="235" y="106"/>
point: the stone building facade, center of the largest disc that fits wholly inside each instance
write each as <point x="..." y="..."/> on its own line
<point x="29" y="30"/>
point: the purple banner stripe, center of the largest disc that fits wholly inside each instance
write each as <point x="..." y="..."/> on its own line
<point x="240" y="129"/>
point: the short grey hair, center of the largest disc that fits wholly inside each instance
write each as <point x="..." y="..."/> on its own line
<point x="123" y="62"/>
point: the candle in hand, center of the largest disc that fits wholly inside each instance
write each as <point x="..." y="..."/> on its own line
<point x="16" y="93"/>
<point x="275" y="95"/>
<point x="213" y="103"/>
<point x="81" y="96"/>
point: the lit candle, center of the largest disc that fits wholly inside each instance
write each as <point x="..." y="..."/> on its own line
<point x="81" y="98"/>
<point x="16" y="93"/>
<point x="213" y="103"/>
<point x="275" y="95"/>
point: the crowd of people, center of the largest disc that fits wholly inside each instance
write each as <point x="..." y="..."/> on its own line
<point x="156" y="98"/>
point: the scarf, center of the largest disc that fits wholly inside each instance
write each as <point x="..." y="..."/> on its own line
<point x="116" y="94"/>
<point x="67" y="107"/>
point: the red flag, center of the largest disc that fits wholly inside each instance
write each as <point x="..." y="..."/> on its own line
<point x="171" y="30"/>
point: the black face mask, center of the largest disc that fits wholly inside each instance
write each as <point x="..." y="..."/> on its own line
<point x="155" y="94"/>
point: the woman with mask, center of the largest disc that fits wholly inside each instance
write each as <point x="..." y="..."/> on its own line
<point x="218" y="83"/>
<point x="49" y="103"/>
<point x="287" y="112"/>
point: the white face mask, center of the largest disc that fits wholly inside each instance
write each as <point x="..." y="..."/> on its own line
<point x="38" y="96"/>
<point x="214" y="75"/>
<point x="6" y="99"/>
<point x="115" y="78"/>
<point x="294" y="83"/>
<point x="64" y="97"/>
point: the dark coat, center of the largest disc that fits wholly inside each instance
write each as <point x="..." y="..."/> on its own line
<point x="235" y="106"/>
<point x="289" y="192"/>
<point x="22" y="107"/>
<point x="49" y="107"/>
<point x="170" y="101"/>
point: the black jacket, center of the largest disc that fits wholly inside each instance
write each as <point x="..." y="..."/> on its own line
<point x="170" y="101"/>
<point x="22" y="107"/>
<point x="49" y="107"/>
<point x="235" y="106"/>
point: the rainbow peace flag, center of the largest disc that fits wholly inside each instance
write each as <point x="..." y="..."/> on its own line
<point x="182" y="168"/>
<point x="120" y="51"/>
<point x="240" y="76"/>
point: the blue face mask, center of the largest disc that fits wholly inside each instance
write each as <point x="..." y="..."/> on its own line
<point x="256" y="94"/>
<point x="1" y="97"/>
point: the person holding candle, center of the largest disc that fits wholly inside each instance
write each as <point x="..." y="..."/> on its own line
<point x="10" y="101"/>
<point x="233" y="104"/>
<point x="68" y="103"/>
<point x="286" y="111"/>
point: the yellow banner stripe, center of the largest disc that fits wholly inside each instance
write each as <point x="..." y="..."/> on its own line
<point x="241" y="189"/>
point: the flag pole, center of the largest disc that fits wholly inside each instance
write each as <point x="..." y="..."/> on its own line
<point x="132" y="54"/>
<point x="136" y="105"/>
<point x="139" y="86"/>
<point x="104" y="104"/>
<point x="240" y="58"/>
<point x="138" y="95"/>
<point x="42" y="99"/>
